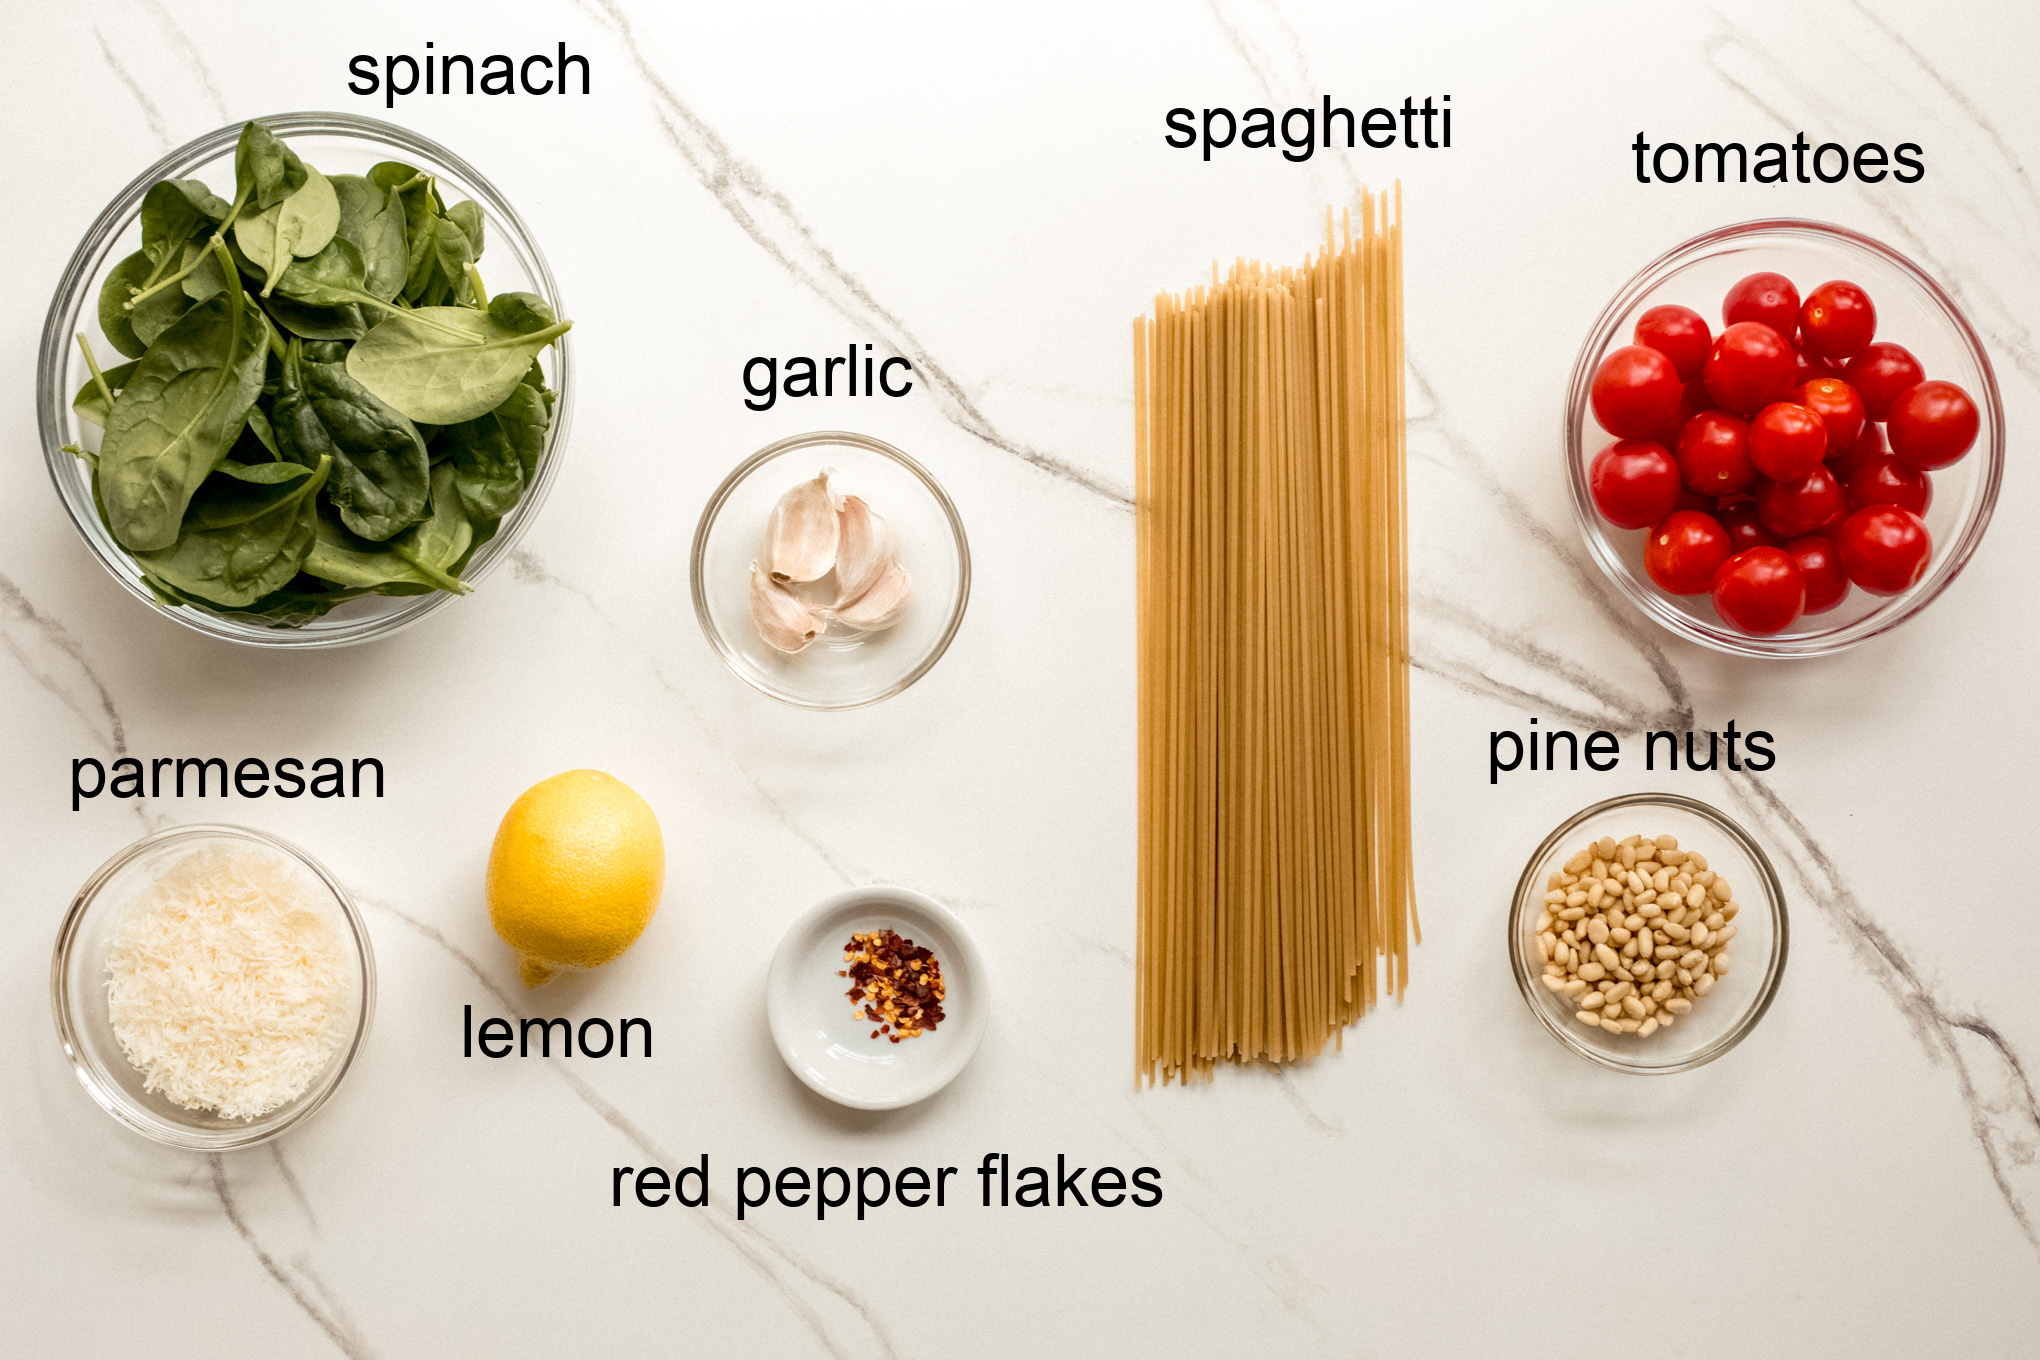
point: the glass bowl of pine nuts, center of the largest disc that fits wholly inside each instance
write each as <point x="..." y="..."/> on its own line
<point x="1648" y="933"/>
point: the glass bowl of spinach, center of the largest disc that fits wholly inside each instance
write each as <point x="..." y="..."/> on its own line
<point x="304" y="381"/>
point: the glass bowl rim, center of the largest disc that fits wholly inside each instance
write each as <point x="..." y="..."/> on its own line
<point x="116" y="1102"/>
<point x="1953" y="556"/>
<point x="112" y="220"/>
<point x="1527" y="889"/>
<point x="713" y="509"/>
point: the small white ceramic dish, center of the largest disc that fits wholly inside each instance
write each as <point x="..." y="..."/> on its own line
<point x="829" y="1046"/>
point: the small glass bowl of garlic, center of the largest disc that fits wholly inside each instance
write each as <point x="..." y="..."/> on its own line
<point x="830" y="570"/>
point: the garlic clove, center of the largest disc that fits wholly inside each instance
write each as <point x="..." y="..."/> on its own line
<point x="800" y="538"/>
<point x="880" y="607"/>
<point x="864" y="549"/>
<point x="784" y="621"/>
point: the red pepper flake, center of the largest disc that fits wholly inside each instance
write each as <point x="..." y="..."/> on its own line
<point x="899" y="983"/>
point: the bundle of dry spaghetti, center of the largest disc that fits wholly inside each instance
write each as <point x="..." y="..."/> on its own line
<point x="1275" y="874"/>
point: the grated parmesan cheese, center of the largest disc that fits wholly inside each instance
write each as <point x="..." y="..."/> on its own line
<point x="228" y="981"/>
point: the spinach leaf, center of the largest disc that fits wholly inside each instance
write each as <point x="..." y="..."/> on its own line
<point x="444" y="365"/>
<point x="91" y="403"/>
<point x="299" y="226"/>
<point x="496" y="455"/>
<point x="419" y="197"/>
<point x="346" y="559"/>
<point x="317" y="323"/>
<point x="381" y="475"/>
<point x="534" y="377"/>
<point x="206" y="277"/>
<point x="178" y="414"/>
<point x="331" y="278"/>
<point x="373" y="220"/>
<point x="155" y="311"/>
<point x="246" y="535"/>
<point x="325" y="352"/>
<point x="114" y="321"/>
<point x="440" y="546"/>
<point x="173" y="212"/>
<point x="467" y="215"/>
<point x="521" y="312"/>
<point x="266" y="172"/>
<point x="264" y="432"/>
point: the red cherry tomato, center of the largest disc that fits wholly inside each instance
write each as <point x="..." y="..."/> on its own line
<point x="1689" y="499"/>
<point x="1787" y="441"/>
<point x="1678" y="333"/>
<point x="1744" y="527"/>
<point x="1807" y="367"/>
<point x="1820" y="562"/>
<point x="1684" y="551"/>
<point x="1635" y="483"/>
<point x="1880" y="373"/>
<point x="1885" y="548"/>
<point x="1636" y="391"/>
<point x="1839" y="406"/>
<point x="1693" y="399"/>
<point x="1868" y="445"/>
<point x="1749" y="367"/>
<point x="1885" y="480"/>
<point x="1932" y="424"/>
<point x="1837" y="321"/>
<point x="1714" y="454"/>
<point x="1759" y="590"/>
<point x="1768" y="299"/>
<point x="1795" y="509"/>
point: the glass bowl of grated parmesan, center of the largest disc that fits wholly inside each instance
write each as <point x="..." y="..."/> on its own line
<point x="211" y="986"/>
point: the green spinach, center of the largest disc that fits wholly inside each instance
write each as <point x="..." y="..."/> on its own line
<point x="320" y="400"/>
<point x="444" y="365"/>
<point x="381" y="476"/>
<point x="246" y="535"/>
<point x="179" y="413"/>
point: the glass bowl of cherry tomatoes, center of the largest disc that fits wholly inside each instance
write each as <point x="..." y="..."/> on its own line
<point x="1783" y="438"/>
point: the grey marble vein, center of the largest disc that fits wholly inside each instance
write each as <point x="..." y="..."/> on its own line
<point x="151" y="115"/>
<point x="771" y="219"/>
<point x="56" y="661"/>
<point x="1999" y="1097"/>
<point x="329" y="1317"/>
<point x="187" y="51"/>
<point x="785" y="1270"/>
<point x="2008" y="333"/>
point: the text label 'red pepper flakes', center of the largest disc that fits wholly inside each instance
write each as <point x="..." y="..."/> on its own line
<point x="894" y="982"/>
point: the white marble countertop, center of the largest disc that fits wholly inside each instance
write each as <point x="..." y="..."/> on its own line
<point x="984" y="189"/>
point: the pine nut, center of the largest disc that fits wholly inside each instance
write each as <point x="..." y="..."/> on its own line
<point x="1626" y="930"/>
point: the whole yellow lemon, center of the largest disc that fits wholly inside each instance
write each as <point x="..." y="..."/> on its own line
<point x="575" y="873"/>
